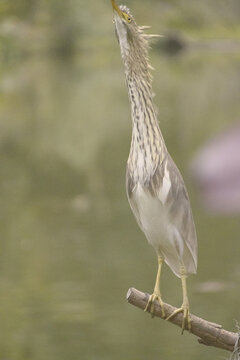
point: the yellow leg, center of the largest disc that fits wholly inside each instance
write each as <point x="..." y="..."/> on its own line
<point x="186" y="321"/>
<point x="156" y="292"/>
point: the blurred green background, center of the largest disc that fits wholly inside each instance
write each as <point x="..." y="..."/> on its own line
<point x="70" y="247"/>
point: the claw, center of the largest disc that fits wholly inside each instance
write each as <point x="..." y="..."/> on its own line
<point x="186" y="320"/>
<point x="156" y="292"/>
<point x="150" y="304"/>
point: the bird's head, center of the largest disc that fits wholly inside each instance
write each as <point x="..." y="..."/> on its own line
<point x="132" y="39"/>
<point x="125" y="26"/>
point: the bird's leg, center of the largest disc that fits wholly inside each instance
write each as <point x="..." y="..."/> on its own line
<point x="156" y="292"/>
<point x="186" y="321"/>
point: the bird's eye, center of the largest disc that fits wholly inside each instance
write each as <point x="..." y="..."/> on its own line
<point x="127" y="17"/>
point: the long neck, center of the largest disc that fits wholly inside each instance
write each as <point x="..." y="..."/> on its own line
<point x="147" y="145"/>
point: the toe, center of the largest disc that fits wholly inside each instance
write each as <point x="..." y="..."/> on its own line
<point x="175" y="312"/>
<point x="186" y="322"/>
<point x="150" y="304"/>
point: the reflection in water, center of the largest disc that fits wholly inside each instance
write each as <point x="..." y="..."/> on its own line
<point x="70" y="247"/>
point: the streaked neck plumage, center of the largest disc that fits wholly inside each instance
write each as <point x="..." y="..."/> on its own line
<point x="147" y="144"/>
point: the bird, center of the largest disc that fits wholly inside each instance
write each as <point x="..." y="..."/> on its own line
<point x="155" y="188"/>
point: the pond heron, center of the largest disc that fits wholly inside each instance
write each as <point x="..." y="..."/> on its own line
<point x="155" y="187"/>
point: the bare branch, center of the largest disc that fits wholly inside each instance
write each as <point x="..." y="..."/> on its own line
<point x="208" y="333"/>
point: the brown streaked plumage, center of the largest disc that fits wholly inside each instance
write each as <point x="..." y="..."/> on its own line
<point x="155" y="187"/>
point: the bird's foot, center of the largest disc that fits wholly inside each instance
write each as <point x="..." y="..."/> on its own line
<point x="150" y="305"/>
<point x="186" y="320"/>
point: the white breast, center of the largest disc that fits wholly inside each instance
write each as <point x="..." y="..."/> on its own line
<point x="151" y="214"/>
<point x="154" y="221"/>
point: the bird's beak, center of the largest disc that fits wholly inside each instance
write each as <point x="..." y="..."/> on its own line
<point x="116" y="8"/>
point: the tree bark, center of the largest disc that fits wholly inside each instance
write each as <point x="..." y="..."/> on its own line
<point x="208" y="333"/>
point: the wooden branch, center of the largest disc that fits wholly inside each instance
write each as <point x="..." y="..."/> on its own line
<point x="209" y="333"/>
